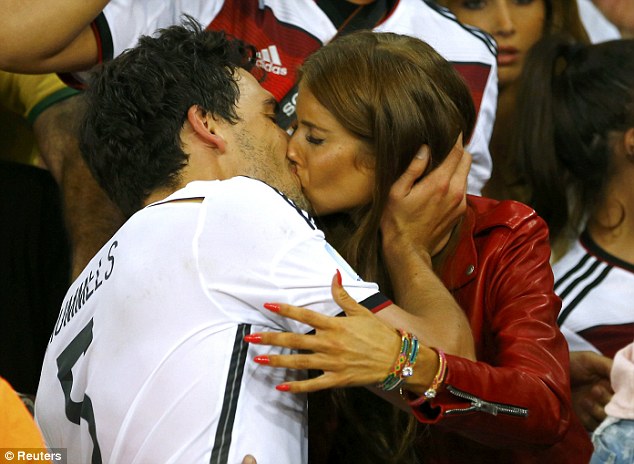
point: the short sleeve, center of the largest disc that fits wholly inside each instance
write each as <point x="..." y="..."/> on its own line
<point x="255" y="246"/>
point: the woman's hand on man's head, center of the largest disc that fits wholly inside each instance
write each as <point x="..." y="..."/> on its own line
<point x="421" y="213"/>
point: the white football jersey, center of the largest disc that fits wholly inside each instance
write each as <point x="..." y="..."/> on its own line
<point x="597" y="293"/>
<point x="285" y="32"/>
<point x="147" y="362"/>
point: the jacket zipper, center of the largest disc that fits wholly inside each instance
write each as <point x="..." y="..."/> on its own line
<point x="478" y="404"/>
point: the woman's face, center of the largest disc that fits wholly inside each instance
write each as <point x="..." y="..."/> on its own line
<point x="334" y="167"/>
<point x="515" y="24"/>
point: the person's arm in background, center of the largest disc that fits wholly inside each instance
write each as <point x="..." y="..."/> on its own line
<point x="48" y="36"/>
<point x="91" y="218"/>
<point x="53" y="111"/>
<point x="620" y="13"/>
<point x="590" y="386"/>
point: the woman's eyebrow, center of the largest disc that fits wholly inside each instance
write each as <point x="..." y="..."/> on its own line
<point x="312" y="125"/>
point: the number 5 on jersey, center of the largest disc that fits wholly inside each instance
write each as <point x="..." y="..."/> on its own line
<point x="75" y="411"/>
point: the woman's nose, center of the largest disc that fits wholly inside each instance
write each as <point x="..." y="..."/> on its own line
<point x="291" y="149"/>
<point x="503" y="24"/>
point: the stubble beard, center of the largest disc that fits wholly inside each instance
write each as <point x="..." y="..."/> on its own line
<point x="300" y="199"/>
<point x="263" y="164"/>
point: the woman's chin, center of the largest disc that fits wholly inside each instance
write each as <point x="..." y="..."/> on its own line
<point x="318" y="208"/>
<point x="325" y="205"/>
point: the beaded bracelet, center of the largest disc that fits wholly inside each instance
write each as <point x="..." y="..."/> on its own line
<point x="394" y="376"/>
<point x="404" y="364"/>
<point x="408" y="370"/>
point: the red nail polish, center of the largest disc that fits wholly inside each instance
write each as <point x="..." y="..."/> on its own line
<point x="253" y="338"/>
<point x="262" y="359"/>
<point x="272" y="307"/>
<point x="283" y="387"/>
<point x="339" y="280"/>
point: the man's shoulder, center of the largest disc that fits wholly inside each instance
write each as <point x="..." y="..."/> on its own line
<point x="247" y="199"/>
<point x="239" y="187"/>
<point x="242" y="187"/>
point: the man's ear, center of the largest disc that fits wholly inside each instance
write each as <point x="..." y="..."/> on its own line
<point x="205" y="126"/>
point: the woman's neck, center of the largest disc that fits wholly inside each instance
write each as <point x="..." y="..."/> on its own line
<point x="611" y="226"/>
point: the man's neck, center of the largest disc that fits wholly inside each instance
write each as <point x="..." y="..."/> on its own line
<point x="158" y="195"/>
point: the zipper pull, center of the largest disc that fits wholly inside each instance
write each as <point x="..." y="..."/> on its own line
<point x="485" y="406"/>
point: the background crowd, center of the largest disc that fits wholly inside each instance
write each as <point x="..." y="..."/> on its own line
<point x="549" y="124"/>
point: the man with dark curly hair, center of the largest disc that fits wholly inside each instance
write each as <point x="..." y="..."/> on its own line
<point x="147" y="361"/>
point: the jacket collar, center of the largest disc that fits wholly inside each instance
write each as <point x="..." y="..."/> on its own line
<point x="462" y="266"/>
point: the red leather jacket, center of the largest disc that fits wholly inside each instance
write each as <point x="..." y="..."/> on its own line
<point x="513" y="405"/>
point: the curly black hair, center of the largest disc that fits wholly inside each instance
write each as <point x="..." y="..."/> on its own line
<point x="138" y="102"/>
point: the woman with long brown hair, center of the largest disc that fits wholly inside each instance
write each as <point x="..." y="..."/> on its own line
<point x="366" y="102"/>
<point x="516" y="26"/>
<point x="577" y="146"/>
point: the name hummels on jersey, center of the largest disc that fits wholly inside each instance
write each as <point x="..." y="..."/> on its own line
<point x="85" y="290"/>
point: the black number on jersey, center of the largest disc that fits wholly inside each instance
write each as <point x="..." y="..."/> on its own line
<point x="83" y="410"/>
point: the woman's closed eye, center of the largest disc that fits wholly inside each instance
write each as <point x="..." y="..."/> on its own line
<point x="313" y="140"/>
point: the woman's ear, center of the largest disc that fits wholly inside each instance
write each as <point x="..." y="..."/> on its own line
<point x="205" y="126"/>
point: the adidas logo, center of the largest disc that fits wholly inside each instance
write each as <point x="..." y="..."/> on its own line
<point x="269" y="59"/>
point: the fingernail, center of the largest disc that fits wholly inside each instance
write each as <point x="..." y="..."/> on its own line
<point x="262" y="359"/>
<point x="272" y="307"/>
<point x="283" y="387"/>
<point x="423" y="153"/>
<point x="339" y="280"/>
<point x="253" y="338"/>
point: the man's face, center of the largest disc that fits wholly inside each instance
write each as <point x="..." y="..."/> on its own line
<point x="261" y="143"/>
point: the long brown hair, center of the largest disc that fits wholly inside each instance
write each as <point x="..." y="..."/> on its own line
<point x="562" y="16"/>
<point x="575" y="96"/>
<point x="394" y="93"/>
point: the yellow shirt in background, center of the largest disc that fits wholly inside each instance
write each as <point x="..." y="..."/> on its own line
<point x="23" y="97"/>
